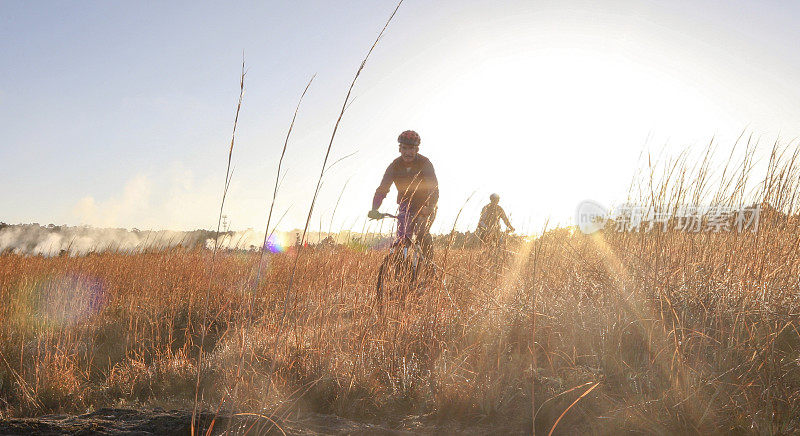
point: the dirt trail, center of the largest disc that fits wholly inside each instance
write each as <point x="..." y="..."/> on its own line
<point x="176" y="422"/>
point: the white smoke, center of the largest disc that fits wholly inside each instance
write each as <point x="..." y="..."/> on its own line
<point x="110" y="212"/>
<point x="33" y="239"/>
<point x="36" y="240"/>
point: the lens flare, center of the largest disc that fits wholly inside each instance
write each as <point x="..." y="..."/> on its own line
<point x="275" y="244"/>
<point x="67" y="300"/>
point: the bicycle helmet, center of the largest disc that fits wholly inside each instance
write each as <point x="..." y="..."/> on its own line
<point x="494" y="198"/>
<point x="409" y="137"/>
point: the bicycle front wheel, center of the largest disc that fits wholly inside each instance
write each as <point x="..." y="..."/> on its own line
<point x="396" y="276"/>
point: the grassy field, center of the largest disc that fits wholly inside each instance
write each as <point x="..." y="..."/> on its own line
<point x="642" y="332"/>
<point x="662" y="332"/>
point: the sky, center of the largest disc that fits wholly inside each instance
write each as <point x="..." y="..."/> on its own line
<point x="119" y="114"/>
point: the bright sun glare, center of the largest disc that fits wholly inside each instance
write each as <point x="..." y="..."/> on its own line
<point x="553" y="116"/>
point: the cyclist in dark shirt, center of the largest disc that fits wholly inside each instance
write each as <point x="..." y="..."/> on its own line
<point x="417" y="192"/>
<point x="489" y="223"/>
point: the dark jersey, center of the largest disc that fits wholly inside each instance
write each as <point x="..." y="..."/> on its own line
<point x="415" y="181"/>
<point x="490" y="216"/>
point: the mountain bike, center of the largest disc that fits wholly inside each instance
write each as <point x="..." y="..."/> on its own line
<point x="494" y="251"/>
<point x="401" y="271"/>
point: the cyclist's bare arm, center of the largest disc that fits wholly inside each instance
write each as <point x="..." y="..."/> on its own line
<point x="503" y="216"/>
<point x="429" y="176"/>
<point x="383" y="188"/>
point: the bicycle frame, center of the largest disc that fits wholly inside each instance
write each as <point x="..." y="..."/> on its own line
<point x="399" y="271"/>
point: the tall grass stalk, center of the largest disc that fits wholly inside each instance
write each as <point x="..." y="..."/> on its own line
<point x="228" y="176"/>
<point x="322" y="172"/>
<point x="277" y="180"/>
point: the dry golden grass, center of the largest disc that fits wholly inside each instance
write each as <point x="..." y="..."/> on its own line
<point x="640" y="332"/>
<point x="683" y="333"/>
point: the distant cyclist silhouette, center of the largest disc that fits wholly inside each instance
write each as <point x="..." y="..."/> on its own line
<point x="489" y="223"/>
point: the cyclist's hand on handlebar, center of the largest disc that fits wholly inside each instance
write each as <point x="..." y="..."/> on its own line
<point x="374" y="214"/>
